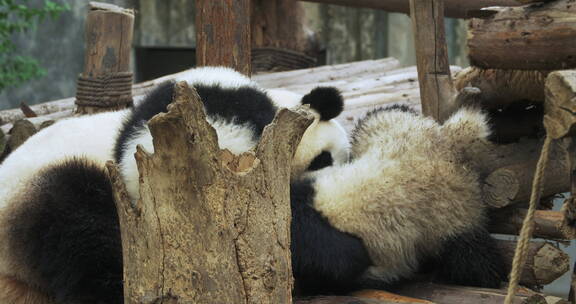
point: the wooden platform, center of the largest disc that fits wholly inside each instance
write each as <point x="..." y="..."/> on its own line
<point x="364" y="84"/>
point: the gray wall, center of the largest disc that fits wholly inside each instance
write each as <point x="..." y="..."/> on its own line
<point x="59" y="47"/>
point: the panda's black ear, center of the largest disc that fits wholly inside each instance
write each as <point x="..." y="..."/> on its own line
<point x="327" y="101"/>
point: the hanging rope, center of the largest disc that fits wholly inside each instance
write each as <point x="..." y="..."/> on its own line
<point x="528" y="224"/>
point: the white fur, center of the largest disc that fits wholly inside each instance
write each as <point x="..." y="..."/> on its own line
<point x="90" y="136"/>
<point x="226" y="78"/>
<point x="406" y="189"/>
<point x="320" y="135"/>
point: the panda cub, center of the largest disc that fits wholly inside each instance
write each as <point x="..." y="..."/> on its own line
<point x="57" y="214"/>
<point x="412" y="198"/>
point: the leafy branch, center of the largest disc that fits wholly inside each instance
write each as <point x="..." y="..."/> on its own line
<point x="15" y="18"/>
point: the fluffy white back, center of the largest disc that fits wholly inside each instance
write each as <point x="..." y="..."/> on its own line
<point x="90" y="136"/>
<point x="406" y="190"/>
<point x="226" y="78"/>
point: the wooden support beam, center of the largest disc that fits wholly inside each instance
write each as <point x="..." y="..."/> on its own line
<point x="548" y="224"/>
<point x="453" y="8"/>
<point x="223" y="34"/>
<point x="106" y="83"/>
<point x="436" y="90"/>
<point x="532" y="37"/>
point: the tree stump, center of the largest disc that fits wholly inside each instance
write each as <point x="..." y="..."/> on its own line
<point x="210" y="227"/>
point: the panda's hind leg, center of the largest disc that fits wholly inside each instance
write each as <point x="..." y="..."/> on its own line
<point x="13" y="291"/>
<point x="66" y="236"/>
<point x="471" y="259"/>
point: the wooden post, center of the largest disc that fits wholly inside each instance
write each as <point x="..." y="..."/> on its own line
<point x="223" y="34"/>
<point x="106" y="83"/>
<point x="210" y="227"/>
<point x="437" y="93"/>
<point x="279" y="39"/>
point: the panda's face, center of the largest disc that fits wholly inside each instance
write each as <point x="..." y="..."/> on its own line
<point x="325" y="142"/>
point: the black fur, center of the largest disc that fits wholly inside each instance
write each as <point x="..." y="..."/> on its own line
<point x="471" y="259"/>
<point x="324" y="259"/>
<point x="244" y="105"/>
<point x="68" y="235"/>
<point x="326" y="100"/>
<point x="323" y="160"/>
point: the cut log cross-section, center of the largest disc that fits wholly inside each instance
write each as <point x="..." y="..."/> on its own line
<point x="210" y="227"/>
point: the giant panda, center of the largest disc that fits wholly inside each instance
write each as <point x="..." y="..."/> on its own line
<point x="413" y="197"/>
<point x="57" y="215"/>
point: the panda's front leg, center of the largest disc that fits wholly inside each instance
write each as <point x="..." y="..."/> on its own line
<point x="324" y="259"/>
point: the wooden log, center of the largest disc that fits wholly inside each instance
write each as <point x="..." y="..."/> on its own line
<point x="436" y="90"/>
<point x="544" y="262"/>
<point x="240" y="203"/>
<point x="223" y="34"/>
<point x="326" y="73"/>
<point x="548" y="224"/>
<point x="453" y="8"/>
<point x="388" y="297"/>
<point x="503" y="87"/>
<point x="532" y="37"/>
<point x="439" y="293"/>
<point x="560" y="117"/>
<point x="513" y="183"/>
<point x="20" y="132"/>
<point x="106" y="82"/>
<point x="385" y="66"/>
<point x="349" y="300"/>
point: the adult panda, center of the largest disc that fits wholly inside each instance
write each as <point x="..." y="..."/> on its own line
<point x="57" y="214"/>
<point x="411" y="194"/>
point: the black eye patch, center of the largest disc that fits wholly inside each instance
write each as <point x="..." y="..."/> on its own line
<point x="323" y="160"/>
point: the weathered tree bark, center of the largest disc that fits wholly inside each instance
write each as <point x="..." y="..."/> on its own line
<point x="453" y="8"/>
<point x="438" y="293"/>
<point x="210" y="227"/>
<point x="513" y="183"/>
<point x="548" y="224"/>
<point x="437" y="93"/>
<point x="503" y="87"/>
<point x="106" y="83"/>
<point x="223" y="34"/>
<point x="544" y="262"/>
<point x="532" y="37"/>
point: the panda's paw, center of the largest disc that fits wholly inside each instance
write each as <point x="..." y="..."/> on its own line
<point x="472" y="259"/>
<point x="467" y="125"/>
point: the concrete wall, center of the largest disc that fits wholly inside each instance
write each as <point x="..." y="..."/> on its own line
<point x="58" y="45"/>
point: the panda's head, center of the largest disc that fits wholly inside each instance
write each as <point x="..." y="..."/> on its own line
<point x="325" y="142"/>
